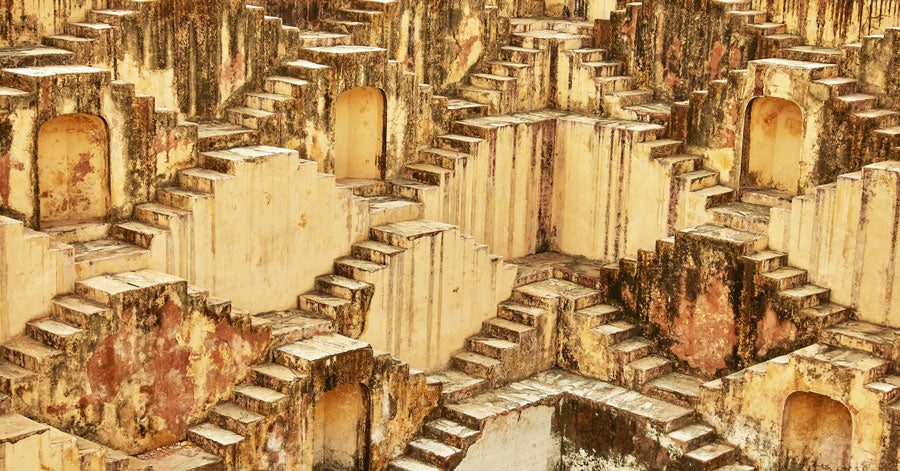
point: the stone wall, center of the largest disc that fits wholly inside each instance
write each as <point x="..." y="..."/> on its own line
<point x="832" y="24"/>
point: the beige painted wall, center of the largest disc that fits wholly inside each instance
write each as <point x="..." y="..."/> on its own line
<point x="844" y="235"/>
<point x="433" y="294"/>
<point x="338" y="421"/>
<point x="73" y="169"/>
<point x="773" y="156"/>
<point x="816" y="431"/>
<point x="359" y="133"/>
<point x="519" y="441"/>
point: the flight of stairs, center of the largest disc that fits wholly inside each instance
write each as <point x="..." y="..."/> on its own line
<point x="460" y="423"/>
<point x="237" y="429"/>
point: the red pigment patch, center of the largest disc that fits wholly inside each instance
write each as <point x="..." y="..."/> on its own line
<point x="715" y="60"/>
<point x="704" y="329"/>
<point x="4" y="178"/>
<point x="171" y="394"/>
<point x="771" y="333"/>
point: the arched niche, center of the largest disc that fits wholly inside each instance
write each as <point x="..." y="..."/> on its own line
<point x="775" y="145"/>
<point x="359" y="133"/>
<point x="816" y="433"/>
<point x="73" y="169"/>
<point x="340" y="429"/>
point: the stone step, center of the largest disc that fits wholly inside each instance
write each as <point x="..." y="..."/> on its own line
<point x="12" y="375"/>
<point x="783" y="278"/>
<point x="276" y="377"/>
<point x="323" y="304"/>
<point x="375" y="251"/>
<point x="804" y="296"/>
<point x="770" y="197"/>
<point x="434" y="452"/>
<point x="821" y="55"/>
<point x="604" y="68"/>
<point x="614" y="83"/>
<point x="214" y="439"/>
<point x="863" y="336"/>
<point x="81" y="47"/>
<point x="231" y="416"/>
<point x="866" y="367"/>
<point x="78" y="312"/>
<point x="520" y="55"/>
<point x="742" y="216"/>
<point x="55" y="334"/>
<point x="492" y="81"/>
<point x="676" y="388"/>
<point x="183" y="456"/>
<point x="508" y="69"/>
<point x="767" y="28"/>
<point x="412" y="189"/>
<point x="520" y="313"/>
<point x="319" y="354"/>
<point x="839" y="85"/>
<point x="391" y="209"/>
<point x="220" y="136"/>
<point x="887" y="387"/>
<point x="105" y="256"/>
<point x="405" y="233"/>
<point x="451" y="433"/>
<point x="427" y="173"/>
<point x="826" y="314"/>
<point x="448" y="159"/>
<point x="664" y="416"/>
<point x="30" y="354"/>
<point x="360" y="14"/>
<point x="294" y="325"/>
<point x="269" y="101"/>
<point x="766" y="260"/>
<point x="735" y="467"/>
<point x="356" y="268"/>
<point x="139" y="233"/>
<point x="364" y="187"/>
<point x="456" y="385"/>
<point x="180" y="198"/>
<point x="405" y="463"/>
<point x="710" y="456"/>
<point x="379" y="5"/>
<point x="507" y="330"/>
<point x="489" y="97"/>
<point x="71" y="233"/>
<point x="462" y="109"/>
<point x="341" y="286"/>
<point x="553" y="293"/>
<point x="643" y="370"/>
<point x="284" y="85"/>
<point x="500" y="349"/>
<point x="697" y="179"/>
<point x="631" y="349"/>
<point x="477" y="365"/>
<point x="614" y="332"/>
<point x="34" y="56"/>
<point x="465" y="144"/>
<point x="321" y="39"/>
<point x="691" y="437"/>
<point x="203" y="180"/>
<point x="250" y="117"/>
<point x="855" y="102"/>
<point x="260" y="399"/>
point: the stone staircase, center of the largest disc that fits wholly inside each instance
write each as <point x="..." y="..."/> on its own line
<point x="30" y="445"/>
<point x="461" y="423"/>
<point x="237" y="429"/>
<point x="367" y="22"/>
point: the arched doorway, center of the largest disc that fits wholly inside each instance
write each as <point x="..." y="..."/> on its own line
<point x="775" y="143"/>
<point x="340" y="429"/>
<point x="816" y="433"/>
<point x="359" y="133"/>
<point x="73" y="169"/>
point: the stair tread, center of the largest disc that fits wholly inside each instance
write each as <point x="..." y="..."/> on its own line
<point x="691" y="432"/>
<point x="103" y="249"/>
<point x="865" y="331"/>
<point x="11" y="371"/>
<point x="632" y="344"/>
<point x="473" y="357"/>
<point x="406" y="463"/>
<point x="678" y="383"/>
<point x="237" y="413"/>
<point x="216" y="434"/>
<point x="614" y="327"/>
<point x="259" y="393"/>
<point x="31" y="347"/>
<point x="56" y="328"/>
<point x="451" y="427"/>
<point x="208" y="130"/>
<point x="275" y="370"/>
<point x="804" y="290"/>
<point x="509" y="325"/>
<point x="257" y="113"/>
<point x="710" y="452"/>
<point x="494" y="342"/>
<point x="649" y="362"/>
<point x="343" y="281"/>
<point x="433" y="446"/>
